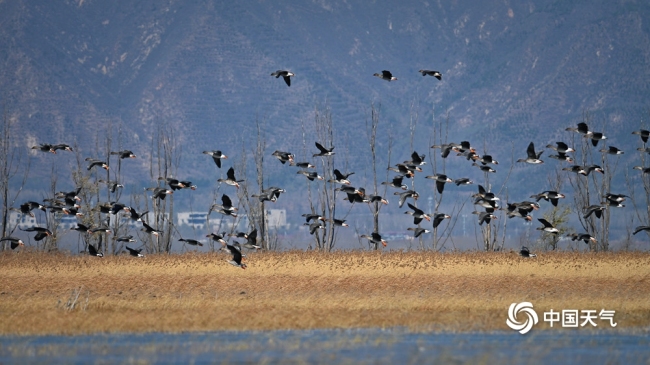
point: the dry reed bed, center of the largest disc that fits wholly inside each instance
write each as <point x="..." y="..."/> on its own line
<point x="421" y="290"/>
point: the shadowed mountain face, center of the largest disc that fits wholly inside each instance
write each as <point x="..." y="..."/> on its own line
<point x="71" y="70"/>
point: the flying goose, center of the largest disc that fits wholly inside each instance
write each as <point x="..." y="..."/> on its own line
<point x="190" y="241"/>
<point x="80" y="228"/>
<point x="596" y="210"/>
<point x="62" y="146"/>
<point x="217" y="156"/>
<point x="440" y="179"/>
<point x="217" y="237"/>
<point x="226" y="204"/>
<point x="15" y="242"/>
<point x="615" y="197"/>
<point x="636" y="230"/>
<point x="582" y="237"/>
<point x="124" y="154"/>
<point x="286" y="75"/>
<point x="547" y="226"/>
<point x="484" y="168"/>
<point x="484" y="217"/>
<point x="236" y="255"/>
<point x="284" y="156"/>
<point x="26" y="208"/>
<point x="315" y="217"/>
<point x="386" y="75"/>
<point x="485" y="159"/>
<point x="41" y="232"/>
<point x="135" y="215"/>
<point x="112" y="184"/>
<point x="416" y="159"/>
<point x="561" y="156"/>
<point x="230" y="178"/>
<point x="340" y="178"/>
<point x="396" y="183"/>
<point x="93" y="251"/>
<point x="44" y="147"/>
<point x="417" y="231"/>
<point x="645" y="170"/>
<point x="304" y="165"/>
<point x="482" y="193"/>
<point x="159" y="193"/>
<point x="612" y="150"/>
<point x="582" y="129"/>
<point x="405" y="195"/>
<point x="310" y="175"/>
<point x="251" y="240"/>
<point x="435" y="74"/>
<point x="533" y="157"/>
<point x="595" y="137"/>
<point x="93" y="162"/>
<point x="376" y="199"/>
<point x="463" y="181"/>
<point x="323" y="151"/>
<point x="314" y="226"/>
<point x="525" y="252"/>
<point x="128" y="238"/>
<point x="548" y="195"/>
<point x="150" y="230"/>
<point x="134" y="252"/>
<point x="101" y="228"/>
<point x="339" y="222"/>
<point x="375" y="238"/>
<point x="417" y="213"/>
<point x="643" y="133"/>
<point x="561" y="147"/>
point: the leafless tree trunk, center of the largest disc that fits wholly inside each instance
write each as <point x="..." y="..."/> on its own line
<point x="89" y="195"/>
<point x="634" y="178"/>
<point x="167" y="157"/>
<point x="495" y="231"/>
<point x="558" y="215"/>
<point x="371" y="131"/>
<point x="52" y="219"/>
<point x="588" y="190"/>
<point x="325" y="135"/>
<point x="259" y="167"/>
<point x="11" y="157"/>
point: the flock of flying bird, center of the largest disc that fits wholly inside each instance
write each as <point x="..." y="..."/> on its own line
<point x="67" y="202"/>
<point x="483" y="198"/>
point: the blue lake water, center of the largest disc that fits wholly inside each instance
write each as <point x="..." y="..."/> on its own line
<point x="358" y="346"/>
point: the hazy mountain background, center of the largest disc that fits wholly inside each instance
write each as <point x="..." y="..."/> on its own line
<point x="513" y="72"/>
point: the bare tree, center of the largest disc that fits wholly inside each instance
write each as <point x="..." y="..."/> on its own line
<point x="632" y="178"/>
<point x="258" y="154"/>
<point x="89" y="195"/>
<point x="327" y="194"/>
<point x="371" y="130"/>
<point x="439" y="138"/>
<point x="11" y="160"/>
<point x="167" y="154"/>
<point x="588" y="188"/>
<point x="558" y="215"/>
<point x="256" y="208"/>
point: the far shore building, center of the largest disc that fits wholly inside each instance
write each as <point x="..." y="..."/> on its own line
<point x="23" y="221"/>
<point x="275" y="219"/>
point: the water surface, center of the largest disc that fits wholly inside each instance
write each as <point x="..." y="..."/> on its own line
<point x="358" y="346"/>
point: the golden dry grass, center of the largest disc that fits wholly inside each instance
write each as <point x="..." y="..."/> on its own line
<point x="300" y="290"/>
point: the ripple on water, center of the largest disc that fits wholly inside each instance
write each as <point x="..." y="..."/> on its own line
<point x="359" y="346"/>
